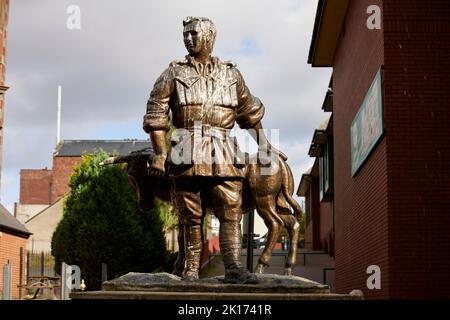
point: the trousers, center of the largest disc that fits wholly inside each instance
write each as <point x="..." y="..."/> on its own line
<point x="193" y="194"/>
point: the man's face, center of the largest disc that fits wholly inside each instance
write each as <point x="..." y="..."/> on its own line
<point x="194" y="38"/>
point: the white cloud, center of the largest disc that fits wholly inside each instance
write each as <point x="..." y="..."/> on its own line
<point x="10" y="190"/>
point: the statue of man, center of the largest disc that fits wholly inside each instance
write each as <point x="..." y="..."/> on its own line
<point x="204" y="97"/>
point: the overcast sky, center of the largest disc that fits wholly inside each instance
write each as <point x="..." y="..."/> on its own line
<point x="108" y="67"/>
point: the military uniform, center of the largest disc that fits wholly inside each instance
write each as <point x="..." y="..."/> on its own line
<point x="205" y="101"/>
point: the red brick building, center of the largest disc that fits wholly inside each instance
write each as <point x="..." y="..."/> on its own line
<point x="13" y="243"/>
<point x="34" y="186"/>
<point x="316" y="186"/>
<point x="4" y="8"/>
<point x="13" y="235"/>
<point x="391" y="133"/>
<point x="40" y="188"/>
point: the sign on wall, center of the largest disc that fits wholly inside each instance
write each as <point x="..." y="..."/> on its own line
<point x="367" y="127"/>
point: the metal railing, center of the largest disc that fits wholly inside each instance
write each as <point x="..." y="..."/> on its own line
<point x="275" y="254"/>
<point x="40" y="264"/>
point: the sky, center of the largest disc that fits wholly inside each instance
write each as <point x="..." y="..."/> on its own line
<point x="107" y="69"/>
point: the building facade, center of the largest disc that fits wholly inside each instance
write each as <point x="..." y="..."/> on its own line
<point x="317" y="187"/>
<point x="42" y="226"/>
<point x="391" y="120"/>
<point x="13" y="242"/>
<point x="40" y="206"/>
<point x="40" y="188"/>
<point x="4" y="9"/>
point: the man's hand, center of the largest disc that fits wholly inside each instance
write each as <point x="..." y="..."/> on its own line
<point x="157" y="167"/>
<point x="264" y="146"/>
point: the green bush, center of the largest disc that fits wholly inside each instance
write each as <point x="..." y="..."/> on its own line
<point x="102" y="224"/>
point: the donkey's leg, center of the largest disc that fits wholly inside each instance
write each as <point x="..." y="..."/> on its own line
<point x="266" y="209"/>
<point x="293" y="228"/>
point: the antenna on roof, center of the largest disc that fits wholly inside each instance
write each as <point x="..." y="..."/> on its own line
<point x="58" y="121"/>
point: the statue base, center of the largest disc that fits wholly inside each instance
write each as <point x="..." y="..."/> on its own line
<point x="164" y="286"/>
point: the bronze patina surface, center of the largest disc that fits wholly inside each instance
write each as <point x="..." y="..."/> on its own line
<point x="203" y="98"/>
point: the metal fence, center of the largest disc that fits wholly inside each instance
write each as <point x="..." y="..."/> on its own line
<point x="40" y="264"/>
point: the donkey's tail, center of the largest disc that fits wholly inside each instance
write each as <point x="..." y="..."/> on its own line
<point x="288" y="187"/>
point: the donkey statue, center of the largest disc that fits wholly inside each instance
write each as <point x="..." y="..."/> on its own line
<point x="268" y="188"/>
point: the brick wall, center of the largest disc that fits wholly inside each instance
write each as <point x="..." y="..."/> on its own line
<point x="312" y="228"/>
<point x="315" y="214"/>
<point x="326" y="227"/>
<point x="2" y="100"/>
<point x="210" y="246"/>
<point x="35" y="186"/>
<point x="43" y="186"/>
<point x="10" y="250"/>
<point x="395" y="212"/>
<point x="4" y="7"/>
<point x="361" y="213"/>
<point x="308" y="224"/>
<point x="62" y="170"/>
<point x="308" y="237"/>
<point x="417" y="121"/>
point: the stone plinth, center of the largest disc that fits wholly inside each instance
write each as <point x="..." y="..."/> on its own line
<point x="164" y="286"/>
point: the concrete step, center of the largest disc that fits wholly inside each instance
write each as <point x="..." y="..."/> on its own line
<point x="164" y="295"/>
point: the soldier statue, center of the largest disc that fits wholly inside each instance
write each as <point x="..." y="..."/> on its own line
<point x="204" y="97"/>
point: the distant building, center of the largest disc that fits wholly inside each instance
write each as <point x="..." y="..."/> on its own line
<point x="317" y="187"/>
<point x="40" y="205"/>
<point x="390" y="149"/>
<point x="13" y="234"/>
<point x="40" y="188"/>
<point x="215" y="226"/>
<point x="42" y="225"/>
<point x="13" y="242"/>
<point x="35" y="193"/>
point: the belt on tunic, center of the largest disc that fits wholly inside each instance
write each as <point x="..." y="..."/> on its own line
<point x="210" y="131"/>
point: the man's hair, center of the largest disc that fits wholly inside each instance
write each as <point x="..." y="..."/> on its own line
<point x="207" y="26"/>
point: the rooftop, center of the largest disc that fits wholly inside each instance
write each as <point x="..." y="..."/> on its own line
<point x="328" y="24"/>
<point x="76" y="148"/>
<point x="9" y="224"/>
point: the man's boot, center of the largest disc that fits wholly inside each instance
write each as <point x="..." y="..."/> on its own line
<point x="231" y="248"/>
<point x="193" y="249"/>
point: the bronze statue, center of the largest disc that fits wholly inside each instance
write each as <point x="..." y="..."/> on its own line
<point x="205" y="97"/>
<point x="270" y="194"/>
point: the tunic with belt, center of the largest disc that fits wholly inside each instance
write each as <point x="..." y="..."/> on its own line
<point x="205" y="101"/>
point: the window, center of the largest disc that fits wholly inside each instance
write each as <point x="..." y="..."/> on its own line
<point x="326" y="164"/>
